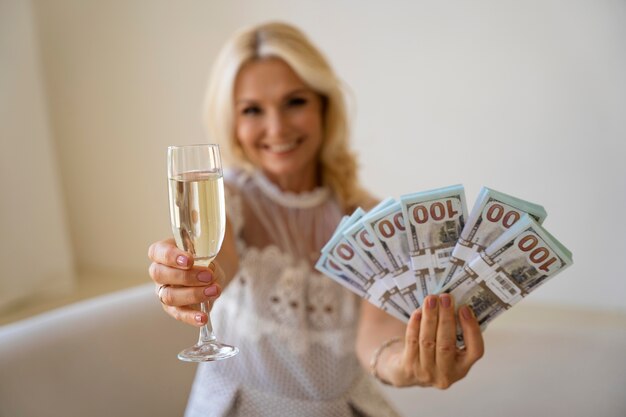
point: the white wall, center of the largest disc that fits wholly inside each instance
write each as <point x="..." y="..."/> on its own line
<point x="35" y="251"/>
<point x="526" y="97"/>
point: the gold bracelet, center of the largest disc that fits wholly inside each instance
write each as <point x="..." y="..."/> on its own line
<point x="376" y="356"/>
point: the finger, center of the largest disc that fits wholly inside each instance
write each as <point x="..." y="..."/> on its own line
<point x="446" y="340"/>
<point x="196" y="276"/>
<point x="217" y="272"/>
<point x="474" y="344"/>
<point x="428" y="334"/>
<point x="188" y="315"/>
<point x="167" y="253"/>
<point x="411" y="339"/>
<point x="185" y="296"/>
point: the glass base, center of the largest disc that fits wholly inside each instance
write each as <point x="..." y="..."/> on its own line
<point x="208" y="352"/>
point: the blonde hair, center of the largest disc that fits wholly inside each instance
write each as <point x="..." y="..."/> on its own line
<point x="338" y="166"/>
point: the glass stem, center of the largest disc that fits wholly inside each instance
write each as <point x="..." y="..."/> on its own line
<point x="206" y="332"/>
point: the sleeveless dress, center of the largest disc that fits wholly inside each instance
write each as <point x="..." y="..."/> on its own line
<point x="294" y="327"/>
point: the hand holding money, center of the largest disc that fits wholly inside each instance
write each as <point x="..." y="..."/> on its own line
<point x="429" y="355"/>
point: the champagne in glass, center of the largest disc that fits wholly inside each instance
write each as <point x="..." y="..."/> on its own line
<point x="198" y="220"/>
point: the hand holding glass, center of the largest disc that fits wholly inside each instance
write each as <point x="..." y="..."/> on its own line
<point x="198" y="219"/>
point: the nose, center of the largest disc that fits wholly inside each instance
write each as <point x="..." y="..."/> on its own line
<point x="276" y="124"/>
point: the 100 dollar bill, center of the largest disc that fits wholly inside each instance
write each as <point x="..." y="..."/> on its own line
<point x="360" y="237"/>
<point x="434" y="222"/>
<point x="344" y="278"/>
<point x="362" y="243"/>
<point x="344" y="255"/>
<point x="387" y="230"/>
<point x="515" y="264"/>
<point x="493" y="213"/>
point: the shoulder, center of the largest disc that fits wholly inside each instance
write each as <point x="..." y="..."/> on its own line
<point x="365" y="200"/>
<point x="235" y="179"/>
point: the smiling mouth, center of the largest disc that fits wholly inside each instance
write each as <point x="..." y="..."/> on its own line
<point x="280" y="148"/>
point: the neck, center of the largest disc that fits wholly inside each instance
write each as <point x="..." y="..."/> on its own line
<point x="296" y="183"/>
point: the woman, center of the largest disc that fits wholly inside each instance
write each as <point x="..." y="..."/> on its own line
<point x="277" y="109"/>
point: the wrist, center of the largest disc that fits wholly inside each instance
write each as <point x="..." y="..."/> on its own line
<point x="379" y="363"/>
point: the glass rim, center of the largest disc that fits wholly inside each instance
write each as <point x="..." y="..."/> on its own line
<point x="194" y="145"/>
<point x="198" y="157"/>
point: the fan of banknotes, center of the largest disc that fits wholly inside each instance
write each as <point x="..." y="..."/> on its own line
<point x="401" y="251"/>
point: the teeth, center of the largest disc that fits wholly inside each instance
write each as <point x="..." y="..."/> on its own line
<point x="283" y="147"/>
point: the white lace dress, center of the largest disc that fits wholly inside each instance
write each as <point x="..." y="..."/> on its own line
<point x="295" y="328"/>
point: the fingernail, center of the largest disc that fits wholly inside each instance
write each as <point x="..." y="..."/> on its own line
<point x="182" y="260"/>
<point x="210" y="291"/>
<point x="466" y="312"/>
<point x="205" y="276"/>
<point x="418" y="315"/>
<point x="432" y="302"/>
<point x="445" y="300"/>
<point x="199" y="318"/>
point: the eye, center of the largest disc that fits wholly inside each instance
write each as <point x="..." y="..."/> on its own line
<point x="296" y="102"/>
<point x="251" y="111"/>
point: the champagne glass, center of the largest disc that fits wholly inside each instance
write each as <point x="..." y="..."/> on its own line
<point x="198" y="220"/>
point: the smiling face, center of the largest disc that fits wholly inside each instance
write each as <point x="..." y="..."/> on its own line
<point x="278" y="123"/>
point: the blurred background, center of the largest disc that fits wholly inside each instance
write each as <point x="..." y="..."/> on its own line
<point x="527" y="97"/>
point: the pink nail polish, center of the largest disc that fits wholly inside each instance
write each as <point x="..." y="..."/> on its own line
<point x="418" y="315"/>
<point x="432" y="302"/>
<point x="210" y="291"/>
<point x="198" y="318"/>
<point x="466" y="312"/>
<point x="182" y="260"/>
<point x="205" y="276"/>
<point x="445" y="300"/>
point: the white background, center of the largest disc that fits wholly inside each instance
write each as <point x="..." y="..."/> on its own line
<point x="526" y="97"/>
